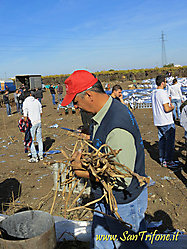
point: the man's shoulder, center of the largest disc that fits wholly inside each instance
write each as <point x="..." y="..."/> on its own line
<point x="36" y="102"/>
<point x="161" y="93"/>
<point x="117" y="105"/>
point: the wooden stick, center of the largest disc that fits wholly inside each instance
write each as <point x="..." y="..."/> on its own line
<point x="64" y="153"/>
<point x="129" y="226"/>
<point x="74" y="201"/>
<point x="71" y="190"/>
<point x="51" y="211"/>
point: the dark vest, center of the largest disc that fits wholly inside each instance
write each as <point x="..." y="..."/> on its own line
<point x="119" y="116"/>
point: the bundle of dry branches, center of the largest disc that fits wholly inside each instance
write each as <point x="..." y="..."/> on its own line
<point x="101" y="166"/>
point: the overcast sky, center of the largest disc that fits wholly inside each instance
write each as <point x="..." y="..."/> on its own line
<point x="51" y="37"/>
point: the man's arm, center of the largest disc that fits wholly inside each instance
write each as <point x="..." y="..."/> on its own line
<point x="122" y="139"/>
<point x="25" y="112"/>
<point x="168" y="108"/>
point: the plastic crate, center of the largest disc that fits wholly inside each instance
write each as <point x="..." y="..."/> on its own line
<point x="57" y="169"/>
<point x="144" y="105"/>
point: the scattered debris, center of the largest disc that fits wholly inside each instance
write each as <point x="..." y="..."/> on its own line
<point x="52" y="152"/>
<point x="54" y="126"/>
<point x="151" y="182"/>
<point x="59" y="119"/>
<point x="167" y="178"/>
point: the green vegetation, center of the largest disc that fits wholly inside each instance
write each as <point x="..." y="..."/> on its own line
<point x="133" y="74"/>
<point x="169" y="65"/>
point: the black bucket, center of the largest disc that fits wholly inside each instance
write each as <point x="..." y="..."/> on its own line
<point x="33" y="229"/>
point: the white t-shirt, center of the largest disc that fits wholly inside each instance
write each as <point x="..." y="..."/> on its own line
<point x="183" y="118"/>
<point x="33" y="109"/>
<point x="161" y="118"/>
<point x="175" y="91"/>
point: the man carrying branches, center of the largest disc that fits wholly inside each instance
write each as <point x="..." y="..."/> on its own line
<point x="112" y="124"/>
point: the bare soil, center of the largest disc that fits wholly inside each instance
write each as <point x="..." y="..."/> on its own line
<point x="32" y="183"/>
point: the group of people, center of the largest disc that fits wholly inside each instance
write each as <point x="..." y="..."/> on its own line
<point x="28" y="103"/>
<point x="112" y="123"/>
<point x="32" y="110"/>
<point x="19" y="96"/>
<point x="164" y="105"/>
<point x="53" y="92"/>
<point x="176" y="98"/>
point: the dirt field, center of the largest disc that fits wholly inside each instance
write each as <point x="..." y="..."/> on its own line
<point x="34" y="182"/>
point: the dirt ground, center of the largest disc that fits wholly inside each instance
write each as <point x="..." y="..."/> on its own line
<point x="32" y="183"/>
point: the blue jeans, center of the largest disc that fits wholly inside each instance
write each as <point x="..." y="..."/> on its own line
<point x="36" y="130"/>
<point x="166" y="144"/>
<point x="21" y="108"/>
<point x="53" y="99"/>
<point x="176" y="110"/>
<point x="17" y="107"/>
<point x="8" y="109"/>
<point x="132" y="213"/>
<point x="59" y="97"/>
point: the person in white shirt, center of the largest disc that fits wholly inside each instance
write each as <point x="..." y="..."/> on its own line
<point x="163" y="119"/>
<point x="175" y="94"/>
<point x="183" y="122"/>
<point x="32" y="108"/>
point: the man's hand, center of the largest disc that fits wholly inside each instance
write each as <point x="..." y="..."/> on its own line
<point x="121" y="99"/>
<point x="77" y="166"/>
<point x="75" y="161"/>
<point x="85" y="136"/>
<point x="168" y="107"/>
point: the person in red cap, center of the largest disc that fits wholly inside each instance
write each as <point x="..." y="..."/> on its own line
<point x="112" y="124"/>
<point x="78" y="82"/>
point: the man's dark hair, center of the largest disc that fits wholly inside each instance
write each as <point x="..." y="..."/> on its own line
<point x="160" y="79"/>
<point x="116" y="87"/>
<point x="97" y="87"/>
<point x="32" y="93"/>
<point x="174" y="81"/>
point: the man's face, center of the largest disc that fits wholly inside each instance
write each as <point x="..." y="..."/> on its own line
<point x="82" y="102"/>
<point x="165" y="82"/>
<point x="118" y="93"/>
